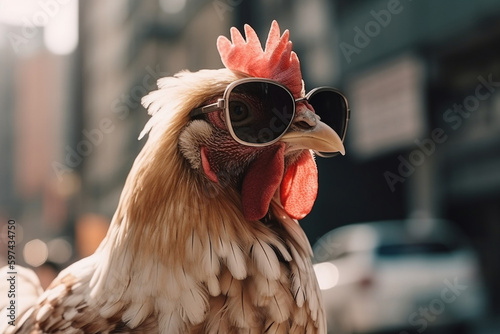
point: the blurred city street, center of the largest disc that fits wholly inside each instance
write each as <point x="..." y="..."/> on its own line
<point x="406" y="226"/>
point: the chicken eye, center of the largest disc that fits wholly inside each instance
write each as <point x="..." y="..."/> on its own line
<point x="239" y="112"/>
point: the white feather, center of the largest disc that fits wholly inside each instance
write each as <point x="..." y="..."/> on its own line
<point x="296" y="286"/>
<point x="136" y="313"/>
<point x="265" y="260"/>
<point x="44" y="312"/>
<point x="70" y="314"/>
<point x="213" y="286"/>
<point x="297" y="277"/>
<point x="241" y="312"/>
<point x="55" y="293"/>
<point x="235" y="260"/>
<point x="194" y="302"/>
<point x="279" y="305"/>
<point x="263" y="287"/>
<point x="110" y="309"/>
<point x="169" y="319"/>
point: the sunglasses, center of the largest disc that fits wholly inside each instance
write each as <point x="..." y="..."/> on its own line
<point x="258" y="112"/>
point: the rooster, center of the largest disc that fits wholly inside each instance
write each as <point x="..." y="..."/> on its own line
<point x="205" y="237"/>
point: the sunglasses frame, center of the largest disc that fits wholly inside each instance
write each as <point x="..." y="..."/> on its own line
<point x="346" y="120"/>
<point x="223" y="104"/>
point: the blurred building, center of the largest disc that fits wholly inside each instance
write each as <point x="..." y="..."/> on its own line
<point x="423" y="79"/>
<point x="36" y="107"/>
<point x="126" y="46"/>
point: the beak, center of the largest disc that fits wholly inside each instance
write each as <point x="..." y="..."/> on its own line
<point x="308" y="132"/>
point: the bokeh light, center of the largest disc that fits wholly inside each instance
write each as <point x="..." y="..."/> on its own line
<point x="327" y="274"/>
<point x="59" y="250"/>
<point x="61" y="33"/>
<point x="35" y="252"/>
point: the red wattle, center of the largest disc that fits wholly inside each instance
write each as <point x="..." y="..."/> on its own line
<point x="299" y="187"/>
<point x="261" y="181"/>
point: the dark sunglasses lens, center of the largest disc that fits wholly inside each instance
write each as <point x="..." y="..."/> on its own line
<point x="260" y="112"/>
<point x="332" y="109"/>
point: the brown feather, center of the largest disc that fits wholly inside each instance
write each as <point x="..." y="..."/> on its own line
<point x="179" y="259"/>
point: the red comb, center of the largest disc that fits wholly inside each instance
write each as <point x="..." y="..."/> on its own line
<point x="277" y="61"/>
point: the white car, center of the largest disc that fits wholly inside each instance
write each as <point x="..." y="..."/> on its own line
<point x="406" y="275"/>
